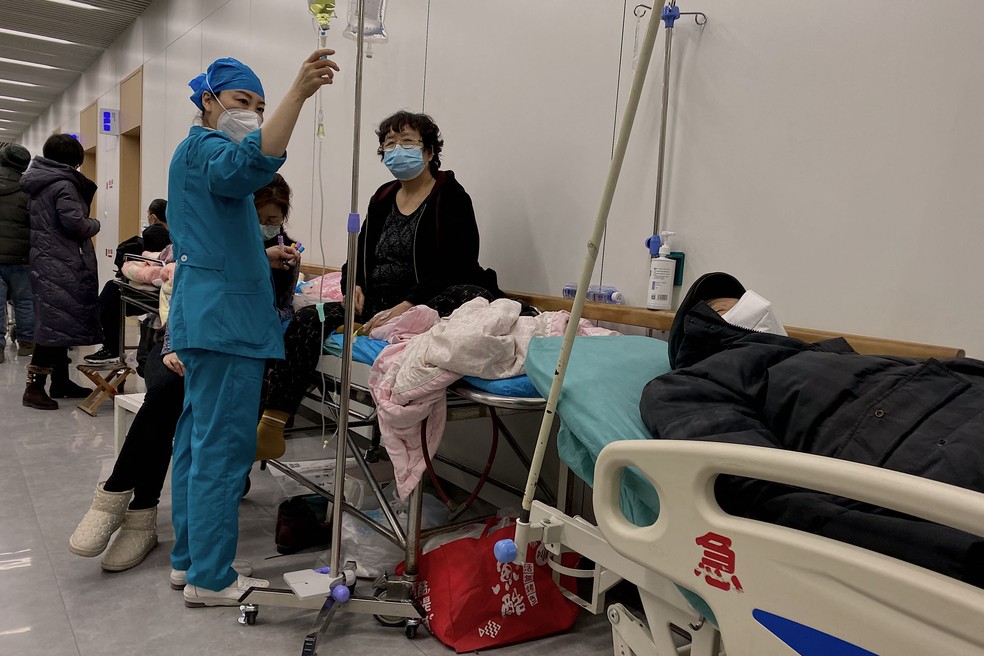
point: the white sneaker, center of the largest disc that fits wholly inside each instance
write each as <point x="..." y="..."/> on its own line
<point x="196" y="597"/>
<point x="179" y="577"/>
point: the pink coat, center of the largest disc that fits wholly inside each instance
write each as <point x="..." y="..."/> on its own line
<point x="409" y="379"/>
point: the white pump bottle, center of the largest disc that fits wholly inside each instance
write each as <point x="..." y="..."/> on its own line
<point x="661" y="273"/>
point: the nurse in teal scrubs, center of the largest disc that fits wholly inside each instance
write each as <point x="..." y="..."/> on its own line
<point x="223" y="325"/>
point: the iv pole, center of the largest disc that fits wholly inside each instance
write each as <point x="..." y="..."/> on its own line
<point x="515" y="551"/>
<point x="353" y="263"/>
<point x="331" y="590"/>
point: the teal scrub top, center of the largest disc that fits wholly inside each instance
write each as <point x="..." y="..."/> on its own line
<point x="223" y="294"/>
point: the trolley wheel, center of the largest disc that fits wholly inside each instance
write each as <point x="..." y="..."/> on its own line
<point x="248" y="613"/>
<point x="411" y="631"/>
<point x="386" y="620"/>
<point x="246" y="487"/>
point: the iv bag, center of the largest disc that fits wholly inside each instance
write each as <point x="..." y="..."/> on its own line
<point x="322" y="12"/>
<point x="374" y="30"/>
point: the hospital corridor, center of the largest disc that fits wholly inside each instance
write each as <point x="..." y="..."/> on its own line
<point x="442" y="327"/>
<point x="57" y="603"/>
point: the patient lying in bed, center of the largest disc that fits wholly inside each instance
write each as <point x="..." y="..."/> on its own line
<point x="739" y="385"/>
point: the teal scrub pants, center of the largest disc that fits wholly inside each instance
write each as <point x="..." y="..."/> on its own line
<point x="214" y="446"/>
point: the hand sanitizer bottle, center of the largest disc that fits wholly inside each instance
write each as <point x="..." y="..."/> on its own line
<point x="659" y="295"/>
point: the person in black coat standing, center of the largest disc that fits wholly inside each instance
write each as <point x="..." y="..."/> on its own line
<point x="63" y="268"/>
<point x="15" y="245"/>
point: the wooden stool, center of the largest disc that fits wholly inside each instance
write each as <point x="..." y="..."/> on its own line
<point x="107" y="378"/>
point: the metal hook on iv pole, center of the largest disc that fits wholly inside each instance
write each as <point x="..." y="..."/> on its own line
<point x="699" y="17"/>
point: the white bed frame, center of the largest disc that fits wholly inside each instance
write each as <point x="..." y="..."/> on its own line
<point x="874" y="602"/>
<point x="879" y="603"/>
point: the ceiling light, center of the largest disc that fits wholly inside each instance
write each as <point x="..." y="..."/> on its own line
<point x="14" y="98"/>
<point x="80" y="5"/>
<point x="36" y="36"/>
<point x="4" y="60"/>
<point x="20" y="84"/>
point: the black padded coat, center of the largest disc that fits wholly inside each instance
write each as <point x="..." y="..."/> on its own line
<point x="15" y="225"/>
<point x="446" y="244"/>
<point x="63" y="261"/>
<point x="922" y="417"/>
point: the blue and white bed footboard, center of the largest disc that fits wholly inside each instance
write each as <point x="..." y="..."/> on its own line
<point x="776" y="590"/>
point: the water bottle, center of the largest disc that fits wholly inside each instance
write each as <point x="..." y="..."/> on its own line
<point x="606" y="294"/>
<point x="596" y="293"/>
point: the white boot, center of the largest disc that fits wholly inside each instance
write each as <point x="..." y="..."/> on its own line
<point x="136" y="539"/>
<point x="100" y="522"/>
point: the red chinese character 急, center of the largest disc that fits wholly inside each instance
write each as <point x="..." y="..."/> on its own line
<point x="718" y="562"/>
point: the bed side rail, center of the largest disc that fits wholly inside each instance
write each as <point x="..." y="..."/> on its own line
<point x="762" y="580"/>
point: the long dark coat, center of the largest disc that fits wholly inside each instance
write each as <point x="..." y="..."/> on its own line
<point x="63" y="261"/>
<point x="921" y="417"/>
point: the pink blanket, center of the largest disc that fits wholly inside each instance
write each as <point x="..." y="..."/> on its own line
<point x="427" y="354"/>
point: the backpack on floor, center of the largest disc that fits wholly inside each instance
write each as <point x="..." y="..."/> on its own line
<point x="302" y="523"/>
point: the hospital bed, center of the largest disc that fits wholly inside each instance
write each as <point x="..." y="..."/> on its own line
<point x="660" y="529"/>
<point x="392" y="601"/>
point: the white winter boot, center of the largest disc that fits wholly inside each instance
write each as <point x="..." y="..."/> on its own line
<point x="136" y="539"/>
<point x="100" y="522"/>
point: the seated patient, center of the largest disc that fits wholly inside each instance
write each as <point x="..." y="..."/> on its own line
<point x="738" y="378"/>
<point x="418" y="245"/>
<point x="155" y="237"/>
<point x="128" y="499"/>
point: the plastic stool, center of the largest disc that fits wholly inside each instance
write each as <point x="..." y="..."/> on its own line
<point x="125" y="404"/>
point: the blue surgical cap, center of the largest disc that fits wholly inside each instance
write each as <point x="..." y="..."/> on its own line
<point x="225" y="73"/>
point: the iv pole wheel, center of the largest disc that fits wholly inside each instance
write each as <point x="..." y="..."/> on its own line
<point x="248" y="613"/>
<point x="387" y="620"/>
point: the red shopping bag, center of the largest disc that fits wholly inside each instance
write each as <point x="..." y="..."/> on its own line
<point x="474" y="602"/>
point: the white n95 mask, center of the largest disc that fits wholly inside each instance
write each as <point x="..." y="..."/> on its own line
<point x="754" y="313"/>
<point x="237" y="123"/>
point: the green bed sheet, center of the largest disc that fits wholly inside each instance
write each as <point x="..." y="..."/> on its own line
<point x="599" y="403"/>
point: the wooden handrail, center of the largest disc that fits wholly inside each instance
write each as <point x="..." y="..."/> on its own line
<point x="628" y="315"/>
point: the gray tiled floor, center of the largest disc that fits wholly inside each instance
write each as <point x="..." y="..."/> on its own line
<point x="56" y="603"/>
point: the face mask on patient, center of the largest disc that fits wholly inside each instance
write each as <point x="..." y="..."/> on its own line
<point x="405" y="162"/>
<point x="754" y="313"/>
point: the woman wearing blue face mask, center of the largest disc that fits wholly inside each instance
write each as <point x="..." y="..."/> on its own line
<point x="223" y="324"/>
<point x="418" y="246"/>
<point x="420" y="236"/>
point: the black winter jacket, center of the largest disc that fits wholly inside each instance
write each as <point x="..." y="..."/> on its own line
<point x="15" y="222"/>
<point x="445" y="249"/>
<point x="921" y="417"/>
<point x="63" y="260"/>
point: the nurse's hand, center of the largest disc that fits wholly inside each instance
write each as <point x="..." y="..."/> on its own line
<point x="316" y="71"/>
<point x="385" y="316"/>
<point x="172" y="362"/>
<point x="282" y="257"/>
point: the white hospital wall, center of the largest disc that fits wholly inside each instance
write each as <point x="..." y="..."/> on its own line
<point x="832" y="161"/>
<point x="828" y="160"/>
